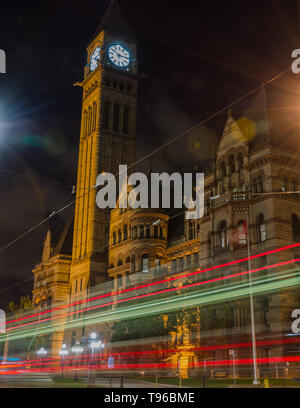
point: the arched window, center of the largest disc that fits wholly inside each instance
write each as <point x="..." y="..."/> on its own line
<point x="145" y="263"/>
<point x="128" y="260"/>
<point x="231" y="164"/>
<point x="223" y="169"/>
<point x="114" y="238"/>
<point x="240" y="160"/>
<point x="161" y="233"/>
<point x="295" y="228"/>
<point x="262" y="232"/>
<point x="120" y="263"/>
<point x="111" y="266"/>
<point x="116" y="118"/>
<point x="106" y="113"/>
<point x="242" y="229"/>
<point x="80" y="284"/>
<point x="90" y="121"/>
<point x="119" y="235"/>
<point x="157" y="264"/>
<point x="142" y="231"/>
<point x="222" y="234"/>
<point x="148" y="231"/>
<point x="156" y="231"/>
<point x="260" y="184"/>
<point x="125" y="120"/>
<point x="94" y="115"/>
<point x="283" y="186"/>
<point x="85" y="124"/>
<point x="133" y="264"/>
<point x="191" y="230"/>
<point x="134" y="232"/>
<point x="125" y="232"/>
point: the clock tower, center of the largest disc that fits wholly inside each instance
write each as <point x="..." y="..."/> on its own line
<point x="107" y="139"/>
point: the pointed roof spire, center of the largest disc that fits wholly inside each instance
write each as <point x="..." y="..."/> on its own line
<point x="115" y="22"/>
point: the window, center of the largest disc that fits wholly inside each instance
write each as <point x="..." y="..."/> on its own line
<point x="188" y="261"/>
<point x="80" y="284"/>
<point x="242" y="226"/>
<point x="125" y="120"/>
<point x="125" y="229"/>
<point x="240" y="161"/>
<point x="106" y="113"/>
<point x="119" y="235"/>
<point x="114" y="238"/>
<point x="231" y="164"/>
<point x="145" y="263"/>
<point x="75" y="290"/>
<point x="142" y="231"/>
<point x="192" y="230"/>
<point x="133" y="264"/>
<point x="161" y="233"/>
<point x="295" y="228"/>
<point x="90" y="121"/>
<point x="156" y="231"/>
<point x="148" y="231"/>
<point x="85" y="124"/>
<point x="196" y="260"/>
<point x="116" y="118"/>
<point x="128" y="260"/>
<point x="94" y="116"/>
<point x="134" y="235"/>
<point x="261" y="228"/>
<point x="222" y="234"/>
<point x="157" y="264"/>
<point x="223" y="169"/>
<point x="260" y="185"/>
<point x="181" y="264"/>
<point x="120" y="263"/>
<point x="283" y="185"/>
<point x="293" y="185"/>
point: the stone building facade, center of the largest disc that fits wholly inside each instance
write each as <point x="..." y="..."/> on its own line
<point x="250" y="192"/>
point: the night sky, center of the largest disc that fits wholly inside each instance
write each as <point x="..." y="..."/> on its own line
<point x="198" y="56"/>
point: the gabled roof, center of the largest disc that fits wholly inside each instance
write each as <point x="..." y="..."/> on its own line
<point x="115" y="22"/>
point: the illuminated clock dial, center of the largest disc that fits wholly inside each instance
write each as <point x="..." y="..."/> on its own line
<point x="119" y="55"/>
<point x="95" y="58"/>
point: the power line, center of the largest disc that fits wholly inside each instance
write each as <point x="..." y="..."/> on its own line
<point x="152" y="153"/>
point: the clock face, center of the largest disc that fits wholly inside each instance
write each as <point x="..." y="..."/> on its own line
<point x="119" y="55"/>
<point x="95" y="58"/>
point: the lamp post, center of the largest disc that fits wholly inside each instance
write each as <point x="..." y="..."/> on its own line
<point x="232" y="353"/>
<point x="94" y="345"/>
<point x="63" y="353"/>
<point x="77" y="350"/>
<point x="246" y="210"/>
<point x="42" y="352"/>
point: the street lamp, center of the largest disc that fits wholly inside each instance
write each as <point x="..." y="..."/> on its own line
<point x="77" y="350"/>
<point x="63" y="353"/>
<point x="232" y="353"/>
<point x="42" y="352"/>
<point x="94" y="345"/>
